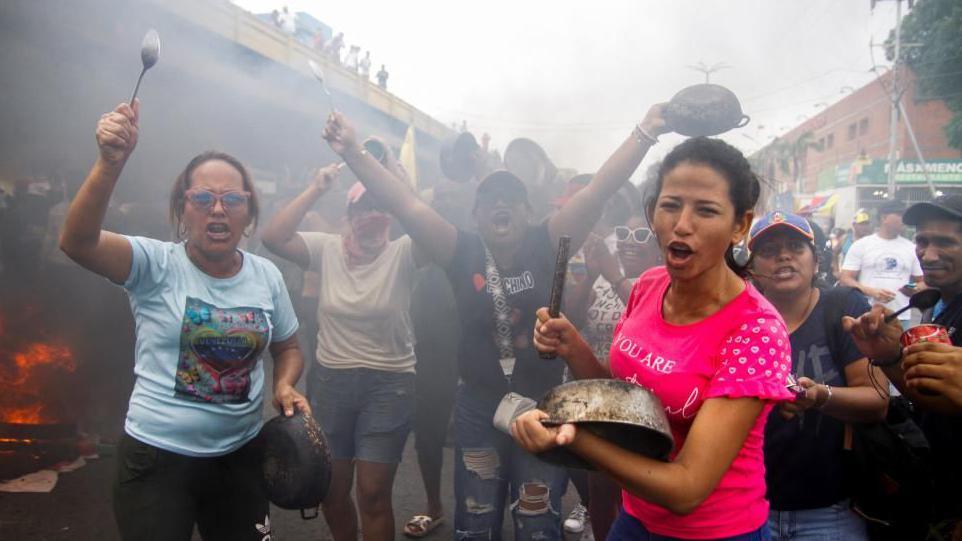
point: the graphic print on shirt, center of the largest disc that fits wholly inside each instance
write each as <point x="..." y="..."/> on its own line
<point x="887" y="266"/>
<point x="218" y="349"/>
<point x="756" y="351"/>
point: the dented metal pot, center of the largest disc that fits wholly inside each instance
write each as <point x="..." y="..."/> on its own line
<point x="296" y="467"/>
<point x="628" y="415"/>
<point x="704" y="109"/>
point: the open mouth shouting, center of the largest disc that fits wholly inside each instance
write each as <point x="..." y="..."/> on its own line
<point x="785" y="272"/>
<point x="218" y="231"/>
<point x="678" y="253"/>
<point x="501" y="220"/>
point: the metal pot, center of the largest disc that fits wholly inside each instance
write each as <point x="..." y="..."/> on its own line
<point x="296" y="467"/>
<point x="459" y="157"/>
<point x="704" y="109"/>
<point x="628" y="415"/>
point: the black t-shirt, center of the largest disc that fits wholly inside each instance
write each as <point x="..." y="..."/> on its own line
<point x="944" y="432"/>
<point x="803" y="456"/>
<point x="527" y="286"/>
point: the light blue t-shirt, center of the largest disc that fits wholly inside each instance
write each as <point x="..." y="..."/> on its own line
<point x="199" y="374"/>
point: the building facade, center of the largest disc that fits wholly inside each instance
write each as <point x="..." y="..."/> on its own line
<point x="837" y="161"/>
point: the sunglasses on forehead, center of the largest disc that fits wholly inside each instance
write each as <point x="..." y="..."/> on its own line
<point x="641" y="235"/>
<point x="205" y="200"/>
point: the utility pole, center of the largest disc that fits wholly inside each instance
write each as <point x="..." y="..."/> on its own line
<point x="896" y="90"/>
<point x="896" y="97"/>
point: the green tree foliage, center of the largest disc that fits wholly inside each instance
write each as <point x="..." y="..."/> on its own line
<point x="933" y="32"/>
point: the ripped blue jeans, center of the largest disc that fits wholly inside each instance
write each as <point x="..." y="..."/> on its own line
<point x="487" y="466"/>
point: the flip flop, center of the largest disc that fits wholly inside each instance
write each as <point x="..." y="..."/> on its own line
<point x="421" y="525"/>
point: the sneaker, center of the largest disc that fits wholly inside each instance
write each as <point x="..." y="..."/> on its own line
<point x="575" y="523"/>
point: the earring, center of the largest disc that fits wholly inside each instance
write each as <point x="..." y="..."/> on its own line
<point x="181" y="230"/>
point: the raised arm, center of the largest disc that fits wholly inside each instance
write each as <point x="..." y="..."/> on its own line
<point x="432" y="233"/>
<point x="82" y="239"/>
<point x="280" y="236"/>
<point x="579" y="215"/>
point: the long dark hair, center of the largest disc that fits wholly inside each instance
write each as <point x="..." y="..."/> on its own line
<point x="182" y="184"/>
<point x="743" y="185"/>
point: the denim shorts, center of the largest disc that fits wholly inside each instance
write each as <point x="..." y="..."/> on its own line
<point x="366" y="414"/>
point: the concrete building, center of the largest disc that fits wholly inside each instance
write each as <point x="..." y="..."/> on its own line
<point x="837" y="160"/>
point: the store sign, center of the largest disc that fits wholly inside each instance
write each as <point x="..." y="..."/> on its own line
<point x="907" y="172"/>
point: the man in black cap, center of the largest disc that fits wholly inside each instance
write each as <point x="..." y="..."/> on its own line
<point x="501" y="276"/>
<point x="930" y="373"/>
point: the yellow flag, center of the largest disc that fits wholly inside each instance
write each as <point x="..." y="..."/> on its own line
<point x="408" y="157"/>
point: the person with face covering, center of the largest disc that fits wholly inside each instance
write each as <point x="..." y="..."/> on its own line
<point x="205" y="312"/>
<point x="804" y="438"/>
<point x="705" y="342"/>
<point x="500" y="276"/>
<point x="362" y="387"/>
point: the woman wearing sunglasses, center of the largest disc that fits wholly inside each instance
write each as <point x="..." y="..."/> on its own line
<point x="362" y="386"/>
<point x="597" y="303"/>
<point x="205" y="312"/>
<point x="804" y="438"/>
<point x="702" y="339"/>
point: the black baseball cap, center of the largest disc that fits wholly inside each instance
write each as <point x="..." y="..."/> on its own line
<point x="891" y="206"/>
<point x="502" y="182"/>
<point x="944" y="206"/>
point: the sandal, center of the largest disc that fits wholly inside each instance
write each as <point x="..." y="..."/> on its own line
<point x="421" y="525"/>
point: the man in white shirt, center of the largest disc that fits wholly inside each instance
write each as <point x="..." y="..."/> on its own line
<point x="884" y="266"/>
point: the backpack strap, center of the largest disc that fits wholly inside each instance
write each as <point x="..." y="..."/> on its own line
<point x="834" y="301"/>
<point x="833" y="309"/>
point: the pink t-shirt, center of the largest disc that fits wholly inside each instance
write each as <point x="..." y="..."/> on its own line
<point x="741" y="350"/>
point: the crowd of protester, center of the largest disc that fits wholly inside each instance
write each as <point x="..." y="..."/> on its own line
<point x="331" y="47"/>
<point x="787" y="390"/>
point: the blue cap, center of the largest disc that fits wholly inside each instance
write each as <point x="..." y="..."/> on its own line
<point x="777" y="219"/>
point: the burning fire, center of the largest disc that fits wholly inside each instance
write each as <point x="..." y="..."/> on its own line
<point x="25" y="372"/>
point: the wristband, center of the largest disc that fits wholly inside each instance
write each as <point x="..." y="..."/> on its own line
<point x="827" y="399"/>
<point x="643" y="137"/>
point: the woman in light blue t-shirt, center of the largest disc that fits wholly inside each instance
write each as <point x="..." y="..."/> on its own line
<point x="205" y="312"/>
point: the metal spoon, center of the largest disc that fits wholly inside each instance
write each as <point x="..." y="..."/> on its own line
<point x="149" y="54"/>
<point x="923" y="300"/>
<point x="319" y="74"/>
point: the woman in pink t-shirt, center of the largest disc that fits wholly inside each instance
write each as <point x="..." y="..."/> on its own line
<point x="706" y="342"/>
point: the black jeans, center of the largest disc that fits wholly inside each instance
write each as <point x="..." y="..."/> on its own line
<point x="159" y="495"/>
